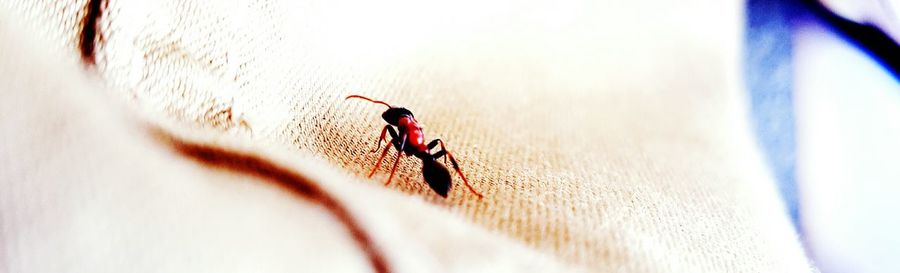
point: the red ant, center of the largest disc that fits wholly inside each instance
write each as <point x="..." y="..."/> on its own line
<point x="411" y="141"/>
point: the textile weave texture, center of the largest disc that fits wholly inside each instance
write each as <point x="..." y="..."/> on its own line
<point x="610" y="136"/>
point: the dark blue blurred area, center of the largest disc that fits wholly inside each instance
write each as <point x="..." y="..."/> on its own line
<point x="768" y="73"/>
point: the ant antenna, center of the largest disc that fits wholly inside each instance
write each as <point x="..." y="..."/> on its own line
<point x="368" y="99"/>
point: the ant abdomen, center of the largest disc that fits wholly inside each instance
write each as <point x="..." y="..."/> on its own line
<point x="437" y="176"/>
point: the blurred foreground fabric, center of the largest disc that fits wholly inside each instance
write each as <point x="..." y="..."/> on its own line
<point x="175" y="136"/>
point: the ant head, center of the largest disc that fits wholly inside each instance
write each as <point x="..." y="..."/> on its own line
<point x="392" y="115"/>
<point x="437" y="176"/>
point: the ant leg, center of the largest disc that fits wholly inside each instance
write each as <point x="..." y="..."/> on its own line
<point x="381" y="158"/>
<point x="384" y="131"/>
<point x="389" y="129"/>
<point x="399" y="155"/>
<point x="434" y="143"/>
<point x="444" y="152"/>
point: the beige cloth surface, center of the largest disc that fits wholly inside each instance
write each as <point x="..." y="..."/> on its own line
<point x="605" y="135"/>
<point x="88" y="186"/>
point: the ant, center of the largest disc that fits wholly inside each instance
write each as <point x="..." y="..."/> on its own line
<point x="411" y="141"/>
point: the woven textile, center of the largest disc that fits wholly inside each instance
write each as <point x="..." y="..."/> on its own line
<point x="604" y="135"/>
